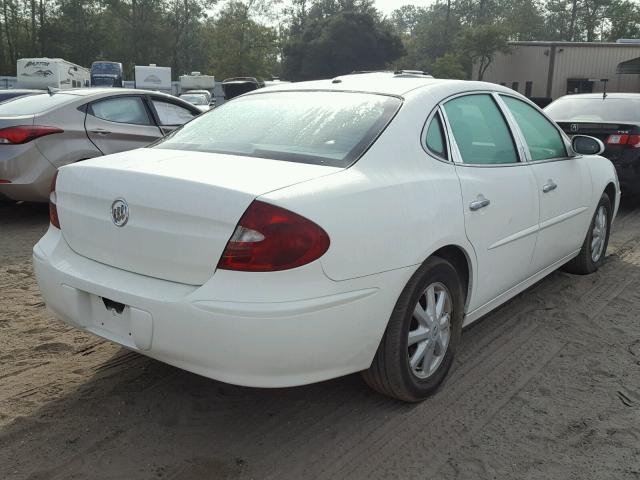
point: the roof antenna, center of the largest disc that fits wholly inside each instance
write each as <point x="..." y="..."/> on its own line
<point x="52" y="90"/>
<point x="604" y="88"/>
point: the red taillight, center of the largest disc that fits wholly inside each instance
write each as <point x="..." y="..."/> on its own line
<point x="634" y="141"/>
<point x="25" y="133"/>
<point x="270" y="238"/>
<point x="617" y="139"/>
<point x="622" y="139"/>
<point x="53" y="209"/>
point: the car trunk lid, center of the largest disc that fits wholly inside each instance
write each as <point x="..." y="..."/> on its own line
<point x="182" y="207"/>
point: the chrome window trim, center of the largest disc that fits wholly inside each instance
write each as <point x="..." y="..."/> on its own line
<point x="455" y="152"/>
<point x="423" y="137"/>
<point x="567" y="143"/>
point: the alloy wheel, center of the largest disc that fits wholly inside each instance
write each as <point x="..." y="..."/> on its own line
<point x="430" y="330"/>
<point x="599" y="234"/>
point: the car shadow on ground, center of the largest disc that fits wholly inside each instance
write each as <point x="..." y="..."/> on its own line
<point x="128" y="416"/>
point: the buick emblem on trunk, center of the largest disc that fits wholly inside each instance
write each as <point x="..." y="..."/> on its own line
<point x="119" y="212"/>
<point x="574" y="127"/>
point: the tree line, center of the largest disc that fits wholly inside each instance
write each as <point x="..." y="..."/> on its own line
<point x="299" y="39"/>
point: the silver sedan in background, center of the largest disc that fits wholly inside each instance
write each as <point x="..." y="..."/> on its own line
<point x="41" y="133"/>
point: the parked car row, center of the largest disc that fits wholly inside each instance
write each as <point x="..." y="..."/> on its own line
<point x="41" y="132"/>
<point x="311" y="230"/>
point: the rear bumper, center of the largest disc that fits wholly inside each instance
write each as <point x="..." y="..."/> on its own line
<point x="29" y="172"/>
<point x="284" y="337"/>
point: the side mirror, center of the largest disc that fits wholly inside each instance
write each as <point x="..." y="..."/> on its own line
<point x="586" y="145"/>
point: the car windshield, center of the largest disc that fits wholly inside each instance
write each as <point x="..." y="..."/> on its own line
<point x="108" y="68"/>
<point x="595" y="109"/>
<point x="33" y="104"/>
<point x="324" y="128"/>
<point x="195" y="99"/>
<point x="102" y="81"/>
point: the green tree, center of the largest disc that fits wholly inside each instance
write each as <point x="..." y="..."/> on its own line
<point x="337" y="37"/>
<point x="237" y="45"/>
<point x="448" y="66"/>
<point x="480" y="44"/>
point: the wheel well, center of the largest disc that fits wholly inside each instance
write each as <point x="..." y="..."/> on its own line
<point x="458" y="258"/>
<point x="611" y="193"/>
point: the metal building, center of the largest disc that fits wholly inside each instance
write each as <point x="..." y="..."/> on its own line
<point x="554" y="69"/>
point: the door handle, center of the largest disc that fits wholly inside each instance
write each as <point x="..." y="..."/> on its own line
<point x="100" y="131"/>
<point x="481" y="202"/>
<point x="549" y="186"/>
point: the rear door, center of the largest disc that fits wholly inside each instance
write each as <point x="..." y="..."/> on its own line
<point x="563" y="184"/>
<point x="171" y="115"/>
<point x="120" y="123"/>
<point x="499" y="193"/>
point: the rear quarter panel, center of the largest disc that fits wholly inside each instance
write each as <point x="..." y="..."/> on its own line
<point x="603" y="173"/>
<point x="72" y="145"/>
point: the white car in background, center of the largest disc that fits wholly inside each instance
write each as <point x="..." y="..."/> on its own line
<point x="198" y="100"/>
<point x="317" y="229"/>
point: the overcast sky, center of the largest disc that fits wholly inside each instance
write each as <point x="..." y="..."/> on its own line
<point x="388" y="6"/>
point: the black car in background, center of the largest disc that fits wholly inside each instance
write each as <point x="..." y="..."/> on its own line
<point x="614" y="118"/>
<point x="236" y="86"/>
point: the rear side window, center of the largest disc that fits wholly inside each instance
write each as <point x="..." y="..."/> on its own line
<point x="323" y="128"/>
<point x="171" y="114"/>
<point x="435" y="140"/>
<point x="480" y="131"/>
<point x="542" y="137"/>
<point x="121" y="110"/>
<point x="33" y="104"/>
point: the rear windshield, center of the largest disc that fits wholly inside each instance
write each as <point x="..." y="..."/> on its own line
<point x="195" y="99"/>
<point x="323" y="128"/>
<point x="577" y="109"/>
<point x="33" y="104"/>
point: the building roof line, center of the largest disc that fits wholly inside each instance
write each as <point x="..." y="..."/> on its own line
<point x="544" y="43"/>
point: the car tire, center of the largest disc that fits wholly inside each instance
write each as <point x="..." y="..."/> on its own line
<point x="592" y="253"/>
<point x="398" y="370"/>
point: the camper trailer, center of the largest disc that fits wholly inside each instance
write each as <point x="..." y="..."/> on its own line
<point x="40" y="73"/>
<point x="153" y="77"/>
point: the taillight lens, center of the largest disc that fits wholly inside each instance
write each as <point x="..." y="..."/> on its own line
<point x="25" y="133"/>
<point x="53" y="209"/>
<point x="622" y="139"/>
<point x="634" y="141"/>
<point x="617" y="139"/>
<point x="270" y="238"/>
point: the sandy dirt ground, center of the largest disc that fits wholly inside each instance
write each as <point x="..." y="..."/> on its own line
<point x="547" y="387"/>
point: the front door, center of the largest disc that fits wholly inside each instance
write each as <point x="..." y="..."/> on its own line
<point x="117" y="124"/>
<point x="499" y="195"/>
<point x="563" y="185"/>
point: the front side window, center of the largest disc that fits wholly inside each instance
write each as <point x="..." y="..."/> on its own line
<point x="435" y="140"/>
<point x="121" y="110"/>
<point x="322" y="128"/>
<point x="544" y="140"/>
<point x="171" y="114"/>
<point x="480" y="131"/>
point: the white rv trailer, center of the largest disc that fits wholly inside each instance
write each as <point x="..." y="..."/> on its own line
<point x="153" y="77"/>
<point x="41" y="73"/>
<point x="196" y="81"/>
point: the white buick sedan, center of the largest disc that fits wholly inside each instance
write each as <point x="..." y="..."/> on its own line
<point x="313" y="230"/>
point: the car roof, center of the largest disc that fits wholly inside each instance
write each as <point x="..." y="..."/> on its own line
<point x="98" y="90"/>
<point x="21" y="90"/>
<point x="598" y="96"/>
<point x="385" y="83"/>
